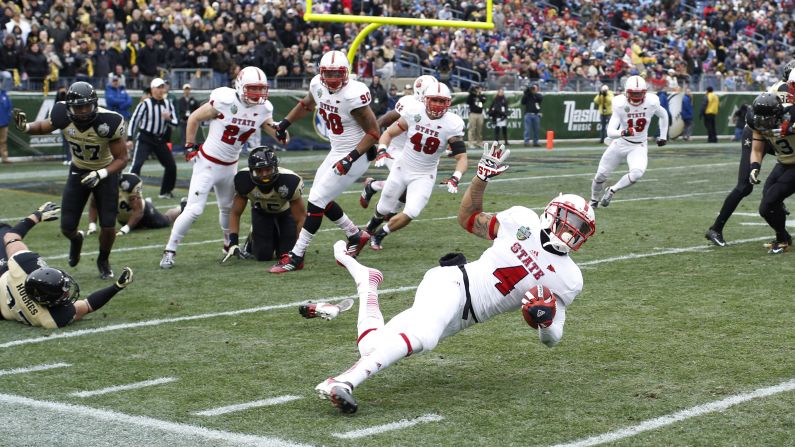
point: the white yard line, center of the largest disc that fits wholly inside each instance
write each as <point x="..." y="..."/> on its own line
<point x="668" y="251"/>
<point x="146" y="323"/>
<point x="653" y="424"/>
<point x="7" y="372"/>
<point x="129" y="386"/>
<point x="404" y="423"/>
<point x="245" y="406"/>
<point x="125" y="421"/>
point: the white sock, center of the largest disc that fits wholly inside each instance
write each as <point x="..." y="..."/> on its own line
<point x="377" y="185"/>
<point x="596" y="190"/>
<point x="346" y="224"/>
<point x="622" y="183"/>
<point x="303" y="241"/>
<point x="370" y="316"/>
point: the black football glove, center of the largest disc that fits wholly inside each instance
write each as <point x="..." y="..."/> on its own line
<point x="452" y="184"/>
<point x="661" y="142"/>
<point x="281" y="130"/>
<point x="344" y="165"/>
<point x="125" y="278"/>
<point x="191" y="150"/>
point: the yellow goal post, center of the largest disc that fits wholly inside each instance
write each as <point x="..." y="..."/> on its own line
<point x="375" y="22"/>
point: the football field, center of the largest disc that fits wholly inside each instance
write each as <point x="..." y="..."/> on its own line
<point x="672" y="342"/>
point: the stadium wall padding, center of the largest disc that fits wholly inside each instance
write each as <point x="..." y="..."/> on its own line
<point x="569" y="115"/>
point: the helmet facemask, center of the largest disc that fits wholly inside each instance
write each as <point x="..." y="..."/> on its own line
<point x="436" y="106"/>
<point x="636" y="97"/>
<point x="263" y="166"/>
<point x="334" y="78"/>
<point x="255" y="94"/>
<point x="51" y="287"/>
<point x="568" y="227"/>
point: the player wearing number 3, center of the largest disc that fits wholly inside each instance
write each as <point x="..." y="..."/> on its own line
<point x="234" y="115"/>
<point x="628" y="128"/>
<point x="344" y="106"/>
<point x="526" y="267"/>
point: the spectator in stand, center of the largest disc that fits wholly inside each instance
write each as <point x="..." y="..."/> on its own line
<point x="117" y="99"/>
<point x="498" y="112"/>
<point x="103" y="62"/>
<point x="35" y="67"/>
<point x="531" y="100"/>
<point x="380" y="99"/>
<point x="393" y="97"/>
<point x="221" y="63"/>
<point x="476" y="101"/>
<point x="445" y="13"/>
<point x="147" y="60"/>
<point x="10" y="59"/>
<point x="709" y="112"/>
<point x="604" y="103"/>
<point x="6" y="106"/>
<point x="177" y="56"/>
<point x="130" y="55"/>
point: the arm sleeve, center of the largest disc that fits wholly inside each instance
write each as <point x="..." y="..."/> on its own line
<point x="663" y="117"/>
<point x="58" y="117"/>
<point x="174" y="121"/>
<point x="138" y="114"/>
<point x="614" y="126"/>
<point x="243" y="183"/>
<point x="62" y="315"/>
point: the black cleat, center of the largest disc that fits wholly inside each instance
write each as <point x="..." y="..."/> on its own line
<point x="377" y="239"/>
<point x="594" y="204"/>
<point x="75" y="247"/>
<point x="103" y="265"/>
<point x="367" y="193"/>
<point x="716" y="237"/>
<point x="357" y="242"/>
<point x="340" y="395"/>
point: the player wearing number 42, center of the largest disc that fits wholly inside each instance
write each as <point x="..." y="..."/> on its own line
<point x="527" y="267"/>
<point x="99" y="153"/>
<point x="234" y="114"/>
<point x="628" y="129"/>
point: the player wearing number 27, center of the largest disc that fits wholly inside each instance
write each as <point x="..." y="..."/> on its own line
<point x="344" y="106"/>
<point x="528" y="267"/>
<point x="234" y="115"/>
<point x="628" y="128"/>
<point x="99" y="153"/>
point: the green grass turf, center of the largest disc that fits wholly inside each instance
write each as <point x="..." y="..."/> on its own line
<point x="647" y="337"/>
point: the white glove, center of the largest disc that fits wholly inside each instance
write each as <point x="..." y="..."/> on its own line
<point x="123" y="230"/>
<point x="92" y="228"/>
<point x="381" y="156"/>
<point x="492" y="163"/>
<point x="47" y="212"/>
<point x="125" y="278"/>
<point x="234" y="250"/>
<point x="93" y="178"/>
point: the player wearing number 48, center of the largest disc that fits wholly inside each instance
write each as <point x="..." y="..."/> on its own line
<point x="234" y="115"/>
<point x="628" y="129"/>
<point x="527" y="267"/>
<point x="99" y="153"/>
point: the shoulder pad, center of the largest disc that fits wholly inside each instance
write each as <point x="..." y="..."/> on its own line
<point x="619" y="101"/>
<point x="58" y="116"/>
<point x="653" y="100"/>
<point x="292" y="181"/>
<point x="315" y="82"/>
<point x="355" y="91"/>
<point x="778" y="87"/>
<point x="243" y="182"/>
<point x="108" y="124"/>
<point x="222" y="96"/>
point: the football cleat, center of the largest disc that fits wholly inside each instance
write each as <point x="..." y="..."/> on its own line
<point x="339" y="393"/>
<point x="594" y="204"/>
<point x="357" y="242"/>
<point x="367" y="192"/>
<point x="75" y="246"/>
<point x="288" y="263"/>
<point x="716" y="237"/>
<point x="607" y="197"/>
<point x="166" y="195"/>
<point x="167" y="261"/>
<point x="377" y="239"/>
<point x="104" y="269"/>
<point x="183" y="202"/>
<point x="778" y="247"/>
<point x="326" y="311"/>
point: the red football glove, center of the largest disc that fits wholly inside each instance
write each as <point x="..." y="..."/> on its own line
<point x="538" y="307"/>
<point x="785" y="128"/>
<point x="191" y="150"/>
<point x="628" y="132"/>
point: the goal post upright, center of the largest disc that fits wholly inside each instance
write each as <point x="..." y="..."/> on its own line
<point x="375" y="22"/>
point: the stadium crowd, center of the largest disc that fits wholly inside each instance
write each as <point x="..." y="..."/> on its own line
<point x="562" y="45"/>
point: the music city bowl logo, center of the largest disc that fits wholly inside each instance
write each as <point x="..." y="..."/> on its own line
<point x="320" y="126"/>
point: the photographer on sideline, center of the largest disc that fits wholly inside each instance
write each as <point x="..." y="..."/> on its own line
<point x="444" y="68"/>
<point x="476" y="100"/>
<point x="531" y="100"/>
<point x="604" y="102"/>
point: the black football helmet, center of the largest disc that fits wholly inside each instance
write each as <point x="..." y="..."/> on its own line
<point x="768" y="112"/>
<point x="51" y="287"/>
<point x="81" y="94"/>
<point x="260" y="158"/>
<point x="786" y="70"/>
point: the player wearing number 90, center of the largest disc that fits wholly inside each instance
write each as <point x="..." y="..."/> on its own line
<point x="96" y="140"/>
<point x="527" y="252"/>
<point x="628" y="128"/>
<point x="234" y="115"/>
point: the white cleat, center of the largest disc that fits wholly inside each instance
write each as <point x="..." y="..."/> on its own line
<point x="167" y="261"/>
<point x="326" y="311"/>
<point x="607" y="197"/>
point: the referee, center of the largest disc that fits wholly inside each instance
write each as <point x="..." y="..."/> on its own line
<point x="151" y="119"/>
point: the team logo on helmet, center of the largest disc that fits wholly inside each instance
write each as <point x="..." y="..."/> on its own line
<point x="125" y="184"/>
<point x="103" y="130"/>
<point x="523" y="233"/>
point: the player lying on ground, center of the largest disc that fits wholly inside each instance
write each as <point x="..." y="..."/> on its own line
<point x="528" y="267"/>
<point x="35" y="294"/>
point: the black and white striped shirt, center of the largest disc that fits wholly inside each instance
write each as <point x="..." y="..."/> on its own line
<point x="148" y="117"/>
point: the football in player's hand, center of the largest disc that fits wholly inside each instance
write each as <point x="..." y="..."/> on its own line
<point x="538" y="307"/>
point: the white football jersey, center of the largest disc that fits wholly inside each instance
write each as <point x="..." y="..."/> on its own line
<point x="426" y="139"/>
<point x="404" y="104"/>
<point x="639" y="116"/>
<point x="234" y="125"/>
<point x="514" y="263"/>
<point x="335" y="110"/>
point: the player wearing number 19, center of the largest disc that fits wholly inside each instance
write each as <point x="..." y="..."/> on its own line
<point x="628" y="128"/>
<point x="527" y="267"/>
<point x="234" y="115"/>
<point x="96" y="139"/>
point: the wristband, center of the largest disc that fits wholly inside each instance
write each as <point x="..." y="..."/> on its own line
<point x="286" y="121"/>
<point x="756" y="165"/>
<point x="458" y="174"/>
<point x="102" y="173"/>
<point x="354" y="154"/>
<point x="382" y="147"/>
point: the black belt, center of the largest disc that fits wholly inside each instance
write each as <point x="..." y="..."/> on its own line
<point x="633" y="142"/>
<point x="468" y="310"/>
<point x="151" y="135"/>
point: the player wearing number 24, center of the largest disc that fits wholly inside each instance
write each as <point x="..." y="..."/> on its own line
<point x="628" y="129"/>
<point x="96" y="140"/>
<point x="527" y="267"/>
<point x="234" y="115"/>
